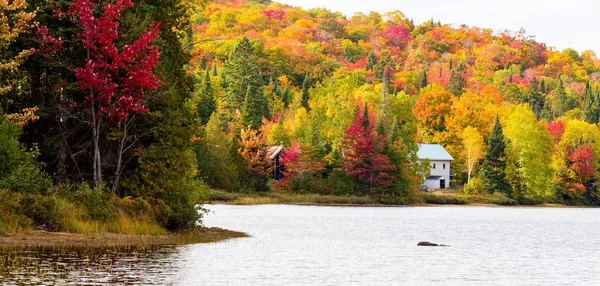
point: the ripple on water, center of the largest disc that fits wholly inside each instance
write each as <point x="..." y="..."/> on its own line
<point x="303" y="245"/>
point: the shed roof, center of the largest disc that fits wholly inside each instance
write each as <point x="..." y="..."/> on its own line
<point x="433" y="152"/>
<point x="273" y="151"/>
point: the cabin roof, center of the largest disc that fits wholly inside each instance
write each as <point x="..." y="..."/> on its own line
<point x="433" y="152"/>
<point x="273" y="151"/>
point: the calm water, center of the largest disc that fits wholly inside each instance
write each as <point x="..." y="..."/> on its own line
<point x="304" y="245"/>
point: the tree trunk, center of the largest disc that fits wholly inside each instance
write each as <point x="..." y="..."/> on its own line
<point x="97" y="159"/>
<point x="117" y="181"/>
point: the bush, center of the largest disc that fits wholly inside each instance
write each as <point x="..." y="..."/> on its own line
<point x="474" y="187"/>
<point x="11" y="220"/>
<point x="96" y="202"/>
<point x="136" y="208"/>
<point x="19" y="169"/>
<point x="49" y="212"/>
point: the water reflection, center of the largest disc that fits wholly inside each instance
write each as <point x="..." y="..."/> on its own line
<point x="88" y="266"/>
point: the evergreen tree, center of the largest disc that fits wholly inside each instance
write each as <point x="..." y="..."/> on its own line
<point x="215" y="71"/>
<point x="243" y="77"/>
<point x="457" y="81"/>
<point x="254" y="109"/>
<point x="590" y="105"/>
<point x="206" y="104"/>
<point x="371" y="61"/>
<point x="385" y="83"/>
<point x="536" y="99"/>
<point x="493" y="167"/>
<point x="380" y="67"/>
<point x="424" y="82"/>
<point x="305" y="94"/>
<point x="366" y="122"/>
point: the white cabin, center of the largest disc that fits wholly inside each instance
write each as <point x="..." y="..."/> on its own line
<point x="439" y="163"/>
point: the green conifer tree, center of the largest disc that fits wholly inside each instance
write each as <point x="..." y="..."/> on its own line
<point x="305" y="94"/>
<point x="590" y="106"/>
<point x="536" y="99"/>
<point x="206" y="104"/>
<point x="254" y="109"/>
<point x="243" y="77"/>
<point x="457" y="81"/>
<point x="424" y="82"/>
<point x="371" y="61"/>
<point x="493" y="167"/>
<point x="215" y="71"/>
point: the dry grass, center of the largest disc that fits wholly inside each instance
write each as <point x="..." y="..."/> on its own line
<point x="280" y="198"/>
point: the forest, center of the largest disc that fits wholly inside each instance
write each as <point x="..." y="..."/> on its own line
<point x="124" y="116"/>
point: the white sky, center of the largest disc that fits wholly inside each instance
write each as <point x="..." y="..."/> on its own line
<point x="558" y="23"/>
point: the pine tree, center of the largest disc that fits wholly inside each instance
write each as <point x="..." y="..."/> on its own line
<point x="305" y="94"/>
<point x="590" y="106"/>
<point x="424" y="82"/>
<point x="493" y="167"/>
<point x="215" y="71"/>
<point x="385" y="83"/>
<point x="536" y="99"/>
<point x="371" y="61"/>
<point x="560" y="96"/>
<point x="243" y="78"/>
<point x="457" y="81"/>
<point x="206" y="104"/>
<point x="254" y="109"/>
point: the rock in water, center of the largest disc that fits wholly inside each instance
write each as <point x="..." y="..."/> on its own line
<point x="427" y="243"/>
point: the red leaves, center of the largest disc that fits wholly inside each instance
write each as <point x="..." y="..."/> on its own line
<point x="556" y="129"/>
<point x="275" y="14"/>
<point x="49" y="46"/>
<point x="396" y="36"/>
<point x="115" y="79"/>
<point x="363" y="153"/>
<point x="580" y="161"/>
<point x="298" y="162"/>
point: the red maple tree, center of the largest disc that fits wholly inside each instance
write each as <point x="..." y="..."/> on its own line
<point x="396" y="36"/>
<point x="556" y="129"/>
<point x="114" y="80"/>
<point x="363" y="152"/>
<point x="298" y="162"/>
<point x="580" y="162"/>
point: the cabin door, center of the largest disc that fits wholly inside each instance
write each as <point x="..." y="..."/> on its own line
<point x="442" y="184"/>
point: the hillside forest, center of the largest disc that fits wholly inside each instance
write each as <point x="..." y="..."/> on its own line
<point x="136" y="109"/>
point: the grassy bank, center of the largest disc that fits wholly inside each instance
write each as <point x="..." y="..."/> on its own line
<point x="80" y="216"/>
<point x="63" y="239"/>
<point x="280" y="198"/>
<point x="452" y="197"/>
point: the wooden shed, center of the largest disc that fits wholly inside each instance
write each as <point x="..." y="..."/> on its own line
<point x="277" y="168"/>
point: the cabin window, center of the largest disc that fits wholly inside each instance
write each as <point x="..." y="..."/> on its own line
<point x="444" y="166"/>
<point x="434" y="165"/>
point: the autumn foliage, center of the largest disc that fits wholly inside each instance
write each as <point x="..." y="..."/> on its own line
<point x="364" y="158"/>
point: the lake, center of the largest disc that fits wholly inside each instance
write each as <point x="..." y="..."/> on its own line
<point x="311" y="245"/>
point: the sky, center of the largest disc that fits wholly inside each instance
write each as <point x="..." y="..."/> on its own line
<point x="558" y="23"/>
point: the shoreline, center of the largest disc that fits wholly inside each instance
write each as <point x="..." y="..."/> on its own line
<point x="37" y="239"/>
<point x="422" y="200"/>
<point x="405" y="206"/>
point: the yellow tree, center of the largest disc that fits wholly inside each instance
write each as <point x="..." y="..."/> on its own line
<point x="13" y="22"/>
<point x="528" y="154"/>
<point x="473" y="148"/>
<point x="431" y="109"/>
